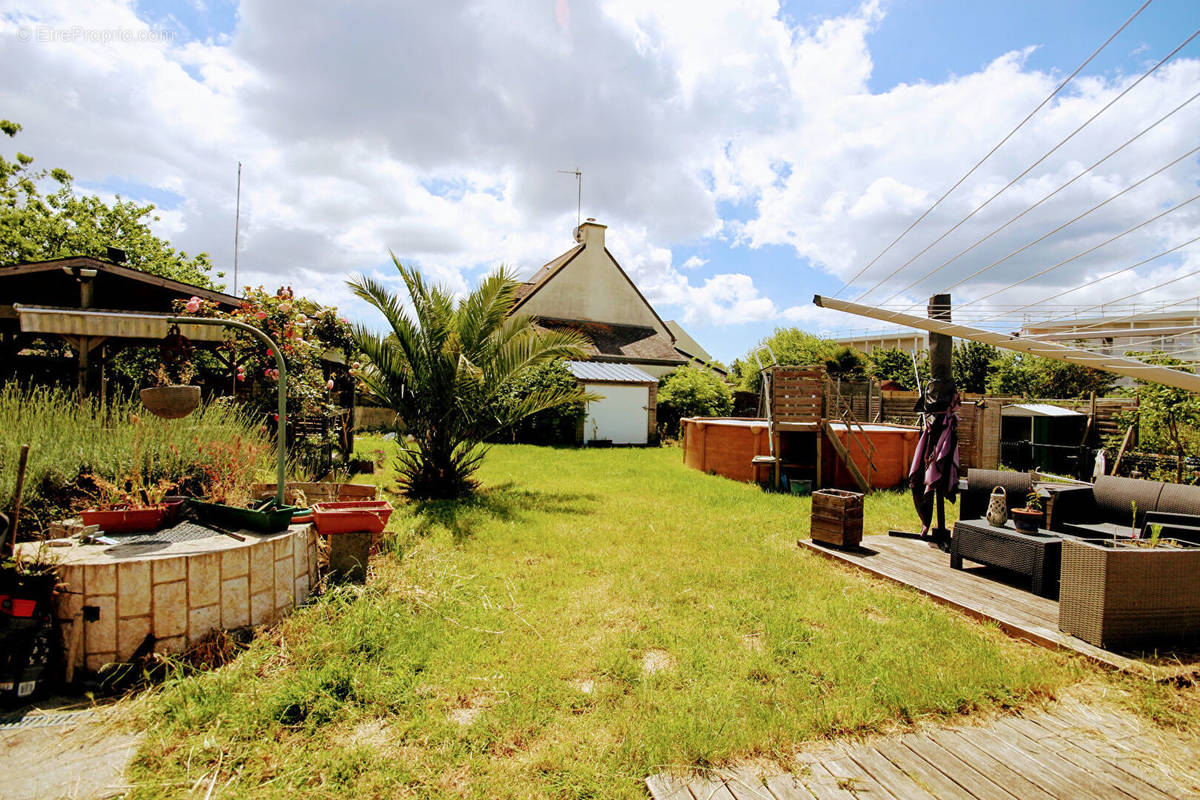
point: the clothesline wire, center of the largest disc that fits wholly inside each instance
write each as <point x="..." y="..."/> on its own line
<point x="1000" y="144"/>
<point x="983" y="239"/>
<point x="1081" y="254"/>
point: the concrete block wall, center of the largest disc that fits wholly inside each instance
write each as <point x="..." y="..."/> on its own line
<point x="182" y="597"/>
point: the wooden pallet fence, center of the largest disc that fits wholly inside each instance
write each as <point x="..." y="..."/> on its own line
<point x="837" y="517"/>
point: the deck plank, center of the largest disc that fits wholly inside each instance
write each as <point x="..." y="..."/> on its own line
<point x="925" y="774"/>
<point x="790" y="787"/>
<point x="888" y="774"/>
<point x="1017" y="611"/>
<point x="993" y="768"/>
<point x="667" y="787"/>
<point x="1058" y="777"/>
<point x="947" y="761"/>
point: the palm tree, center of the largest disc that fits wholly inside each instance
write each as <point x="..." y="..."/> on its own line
<point x="443" y="371"/>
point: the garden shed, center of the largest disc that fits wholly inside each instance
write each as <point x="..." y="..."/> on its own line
<point x="1041" y="436"/>
<point x="625" y="414"/>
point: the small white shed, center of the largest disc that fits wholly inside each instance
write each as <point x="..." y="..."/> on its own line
<point x="625" y="414"/>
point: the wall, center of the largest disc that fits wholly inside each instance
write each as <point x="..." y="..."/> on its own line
<point x="592" y="287"/>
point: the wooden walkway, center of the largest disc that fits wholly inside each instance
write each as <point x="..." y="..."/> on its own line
<point x="1069" y="752"/>
<point x="991" y="594"/>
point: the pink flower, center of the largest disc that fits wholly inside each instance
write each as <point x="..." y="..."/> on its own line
<point x="270" y="352"/>
<point x="329" y="384"/>
<point x="343" y="320"/>
<point x="241" y="376"/>
<point x="260" y="314"/>
<point x="193" y="305"/>
<point x="356" y="365"/>
<point x="267" y="373"/>
<point x="275" y="417"/>
<point x="285" y="307"/>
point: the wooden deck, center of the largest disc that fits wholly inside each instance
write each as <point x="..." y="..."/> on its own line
<point x="995" y="595"/>
<point x="1070" y="751"/>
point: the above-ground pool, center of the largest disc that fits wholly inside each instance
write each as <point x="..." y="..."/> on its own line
<point x="727" y="446"/>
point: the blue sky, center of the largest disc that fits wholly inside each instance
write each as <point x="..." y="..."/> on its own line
<point x="744" y="155"/>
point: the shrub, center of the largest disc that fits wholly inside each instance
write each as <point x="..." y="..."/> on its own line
<point x="691" y="391"/>
<point x="69" y="440"/>
<point x="557" y="425"/>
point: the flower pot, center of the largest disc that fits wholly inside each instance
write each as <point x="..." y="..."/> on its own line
<point x="1027" y="519"/>
<point x="352" y="517"/>
<point x="125" y="520"/>
<point x="1123" y="595"/>
<point x="171" y="402"/>
<point x="270" y="520"/>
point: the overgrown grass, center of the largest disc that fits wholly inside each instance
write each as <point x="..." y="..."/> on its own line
<point x="590" y="618"/>
<point x="68" y="439"/>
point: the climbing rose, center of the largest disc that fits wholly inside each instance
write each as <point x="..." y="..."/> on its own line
<point x="260" y="314"/>
<point x="193" y="305"/>
<point x="329" y="383"/>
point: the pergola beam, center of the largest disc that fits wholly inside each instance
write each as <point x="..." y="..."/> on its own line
<point x="1120" y="365"/>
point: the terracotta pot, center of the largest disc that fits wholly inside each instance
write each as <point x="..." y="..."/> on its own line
<point x="171" y="402"/>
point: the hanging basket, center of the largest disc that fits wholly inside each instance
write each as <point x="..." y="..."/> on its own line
<point x="171" y="402"/>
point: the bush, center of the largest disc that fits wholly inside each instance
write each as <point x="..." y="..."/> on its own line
<point x="69" y="440"/>
<point x="691" y="391"/>
<point x="557" y="425"/>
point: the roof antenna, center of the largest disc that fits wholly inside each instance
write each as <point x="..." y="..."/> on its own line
<point x="237" y="224"/>
<point x="578" y="173"/>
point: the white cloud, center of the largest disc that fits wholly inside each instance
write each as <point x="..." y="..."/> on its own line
<point x="435" y="131"/>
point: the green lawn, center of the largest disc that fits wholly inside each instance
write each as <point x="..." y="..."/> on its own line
<point x="593" y="617"/>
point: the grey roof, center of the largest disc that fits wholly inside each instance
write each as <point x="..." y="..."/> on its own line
<point x="1037" y="410"/>
<point x="606" y="371"/>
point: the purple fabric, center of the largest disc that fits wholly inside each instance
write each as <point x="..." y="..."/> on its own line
<point x="935" y="465"/>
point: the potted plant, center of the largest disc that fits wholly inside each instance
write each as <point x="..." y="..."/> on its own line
<point x="130" y="505"/>
<point x="1119" y="593"/>
<point x="174" y="396"/>
<point x="228" y="475"/>
<point x="26" y="624"/>
<point x="1031" y="517"/>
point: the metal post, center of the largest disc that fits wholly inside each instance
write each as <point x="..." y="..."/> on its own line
<point x="281" y="431"/>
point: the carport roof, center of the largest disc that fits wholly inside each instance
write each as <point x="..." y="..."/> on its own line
<point x="609" y="372"/>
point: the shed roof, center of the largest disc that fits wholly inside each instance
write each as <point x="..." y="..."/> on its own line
<point x="609" y="372"/>
<point x="1037" y="410"/>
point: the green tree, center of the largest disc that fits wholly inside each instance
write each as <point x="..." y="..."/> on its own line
<point x="556" y="425"/>
<point x="971" y="364"/>
<point x="1168" y="418"/>
<point x="691" y="391"/>
<point x="791" y="346"/>
<point x="443" y="368"/>
<point x="42" y="217"/>
<point x="846" y="362"/>
<point x="1030" y="376"/>
<point x="893" y="364"/>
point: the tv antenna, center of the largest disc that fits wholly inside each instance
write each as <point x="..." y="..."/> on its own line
<point x="578" y="173"/>
<point x="237" y="225"/>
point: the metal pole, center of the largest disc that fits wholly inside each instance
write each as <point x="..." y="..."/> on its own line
<point x="281" y="431"/>
<point x="237" y="224"/>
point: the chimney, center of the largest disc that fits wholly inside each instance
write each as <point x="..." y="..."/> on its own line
<point x="591" y="234"/>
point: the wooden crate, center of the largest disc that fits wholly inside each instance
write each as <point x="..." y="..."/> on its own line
<point x="837" y="517"/>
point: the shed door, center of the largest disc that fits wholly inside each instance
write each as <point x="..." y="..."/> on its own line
<point x="621" y="415"/>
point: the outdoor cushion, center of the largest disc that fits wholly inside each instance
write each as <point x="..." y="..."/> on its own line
<point x="1176" y="498"/>
<point x="980" y="483"/>
<point x="1115" y="495"/>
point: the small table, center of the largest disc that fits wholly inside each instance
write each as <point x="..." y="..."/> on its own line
<point x="1038" y="555"/>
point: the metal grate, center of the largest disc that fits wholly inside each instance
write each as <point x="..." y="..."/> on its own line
<point x="20" y="720"/>
<point x="183" y="532"/>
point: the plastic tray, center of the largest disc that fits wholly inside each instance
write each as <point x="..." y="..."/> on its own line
<point x="356" y="516"/>
<point x="270" y="520"/>
<point x="126" y="520"/>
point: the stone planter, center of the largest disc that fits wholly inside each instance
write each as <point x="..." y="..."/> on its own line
<point x="171" y="402"/>
<point x="1123" y="595"/>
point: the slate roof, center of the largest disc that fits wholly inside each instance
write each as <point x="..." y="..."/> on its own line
<point x="624" y="341"/>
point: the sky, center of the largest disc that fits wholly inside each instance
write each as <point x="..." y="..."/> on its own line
<point x="744" y="154"/>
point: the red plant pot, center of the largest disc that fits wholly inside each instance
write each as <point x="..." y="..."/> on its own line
<point x="359" y="516"/>
<point x="137" y="520"/>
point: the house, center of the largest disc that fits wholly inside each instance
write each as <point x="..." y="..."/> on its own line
<point x="585" y="290"/>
